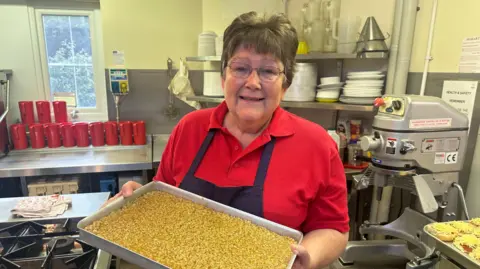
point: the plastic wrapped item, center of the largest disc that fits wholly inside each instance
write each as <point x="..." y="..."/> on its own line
<point x="181" y="87"/>
<point x="335" y="138"/>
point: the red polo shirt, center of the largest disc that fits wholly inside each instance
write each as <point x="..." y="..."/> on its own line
<point x="305" y="187"/>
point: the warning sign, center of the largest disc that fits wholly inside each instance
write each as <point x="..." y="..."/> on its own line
<point x="391" y="145"/>
<point x="430" y="145"/>
<point x="451" y="158"/>
<point x="439" y="158"/>
<point x="430" y="123"/>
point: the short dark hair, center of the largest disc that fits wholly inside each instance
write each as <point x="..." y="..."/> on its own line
<point x="273" y="35"/>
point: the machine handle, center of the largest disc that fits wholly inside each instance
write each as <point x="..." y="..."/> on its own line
<point x="462" y="199"/>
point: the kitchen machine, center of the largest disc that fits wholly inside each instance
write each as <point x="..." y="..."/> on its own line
<point x="418" y="145"/>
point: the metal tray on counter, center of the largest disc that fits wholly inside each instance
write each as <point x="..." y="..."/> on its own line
<point x="147" y="263"/>
<point x="449" y="250"/>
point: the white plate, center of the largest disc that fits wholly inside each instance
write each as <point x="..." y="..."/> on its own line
<point x="364" y="85"/>
<point x="328" y="86"/>
<point x="362" y="88"/>
<point x="347" y="94"/>
<point x="365" y="77"/>
<point x="356" y="82"/>
<point x="364" y="73"/>
<point x="357" y="100"/>
<point x="329" y="89"/>
<point x="358" y="92"/>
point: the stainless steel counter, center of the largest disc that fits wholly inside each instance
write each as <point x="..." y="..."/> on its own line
<point x="36" y="162"/>
<point x="159" y="143"/>
<point x="83" y="204"/>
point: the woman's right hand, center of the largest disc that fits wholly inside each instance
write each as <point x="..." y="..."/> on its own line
<point x="126" y="191"/>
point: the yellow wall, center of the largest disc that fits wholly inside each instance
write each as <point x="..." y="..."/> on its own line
<point x="150" y="31"/>
<point x="456" y="20"/>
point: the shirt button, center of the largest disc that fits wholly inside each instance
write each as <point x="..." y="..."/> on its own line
<point x="236" y="165"/>
<point x="236" y="147"/>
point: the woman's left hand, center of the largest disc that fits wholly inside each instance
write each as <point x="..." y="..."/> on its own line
<point x="303" y="258"/>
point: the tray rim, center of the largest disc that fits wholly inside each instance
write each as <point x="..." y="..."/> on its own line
<point x="145" y="262"/>
<point x="451" y="251"/>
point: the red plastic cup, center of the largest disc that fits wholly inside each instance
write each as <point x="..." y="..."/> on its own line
<point x="52" y="131"/>
<point x="97" y="133"/>
<point x="37" y="136"/>
<point x="126" y="136"/>
<point x="139" y="133"/>
<point x="26" y="112"/>
<point x="43" y="111"/>
<point x="67" y="132"/>
<point x="19" y="136"/>
<point x="60" y="111"/>
<point x="81" y="134"/>
<point x="111" y="133"/>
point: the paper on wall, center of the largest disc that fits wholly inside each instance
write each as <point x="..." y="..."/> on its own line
<point x="470" y="56"/>
<point x="461" y="95"/>
<point x="118" y="58"/>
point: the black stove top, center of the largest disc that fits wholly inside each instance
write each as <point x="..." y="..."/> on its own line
<point x="45" y="244"/>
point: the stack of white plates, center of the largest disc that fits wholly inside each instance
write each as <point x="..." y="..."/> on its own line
<point x="329" y="93"/>
<point x="362" y="87"/>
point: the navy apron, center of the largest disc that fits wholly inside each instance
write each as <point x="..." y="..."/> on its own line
<point x="246" y="198"/>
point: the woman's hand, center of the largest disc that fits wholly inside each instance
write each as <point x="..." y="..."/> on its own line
<point x="126" y="191"/>
<point x="303" y="258"/>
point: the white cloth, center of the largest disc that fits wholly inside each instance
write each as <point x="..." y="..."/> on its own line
<point x="181" y="87"/>
<point x="42" y="206"/>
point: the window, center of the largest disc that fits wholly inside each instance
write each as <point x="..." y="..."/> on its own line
<point x="71" y="60"/>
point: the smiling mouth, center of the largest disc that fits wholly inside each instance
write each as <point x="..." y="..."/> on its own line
<point x="253" y="99"/>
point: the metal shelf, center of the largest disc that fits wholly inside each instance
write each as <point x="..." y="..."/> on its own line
<point x="300" y="57"/>
<point x="314" y="105"/>
<point x="6" y="71"/>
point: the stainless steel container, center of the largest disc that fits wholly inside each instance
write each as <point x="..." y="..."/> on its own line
<point x="144" y="262"/>
<point x="303" y="87"/>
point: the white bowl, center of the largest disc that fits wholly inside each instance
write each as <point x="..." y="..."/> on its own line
<point x="329" y="80"/>
<point x="328" y="94"/>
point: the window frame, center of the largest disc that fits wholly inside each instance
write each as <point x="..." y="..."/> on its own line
<point x="100" y="112"/>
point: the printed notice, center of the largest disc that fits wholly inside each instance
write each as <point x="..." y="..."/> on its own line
<point x="118" y="58"/>
<point x="430" y="123"/>
<point x="460" y="95"/>
<point x="470" y="56"/>
<point x="430" y="145"/>
<point x="439" y="158"/>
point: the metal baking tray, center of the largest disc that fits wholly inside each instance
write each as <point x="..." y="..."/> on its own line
<point x="449" y="250"/>
<point x="147" y="263"/>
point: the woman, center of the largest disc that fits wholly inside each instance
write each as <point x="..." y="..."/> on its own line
<point x="252" y="155"/>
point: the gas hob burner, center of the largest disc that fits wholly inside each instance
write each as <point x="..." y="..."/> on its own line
<point x="22" y="240"/>
<point x="49" y="245"/>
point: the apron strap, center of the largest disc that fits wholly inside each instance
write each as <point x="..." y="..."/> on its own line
<point x="201" y="152"/>
<point x="264" y="163"/>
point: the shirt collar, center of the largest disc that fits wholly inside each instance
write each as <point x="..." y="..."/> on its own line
<point x="280" y="125"/>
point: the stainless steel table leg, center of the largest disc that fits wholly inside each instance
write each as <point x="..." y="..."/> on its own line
<point x="23" y="182"/>
<point x="103" y="260"/>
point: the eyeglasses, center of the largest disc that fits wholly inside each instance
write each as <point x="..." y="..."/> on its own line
<point x="266" y="74"/>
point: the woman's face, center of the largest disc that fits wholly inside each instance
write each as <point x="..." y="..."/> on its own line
<point x="252" y="98"/>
